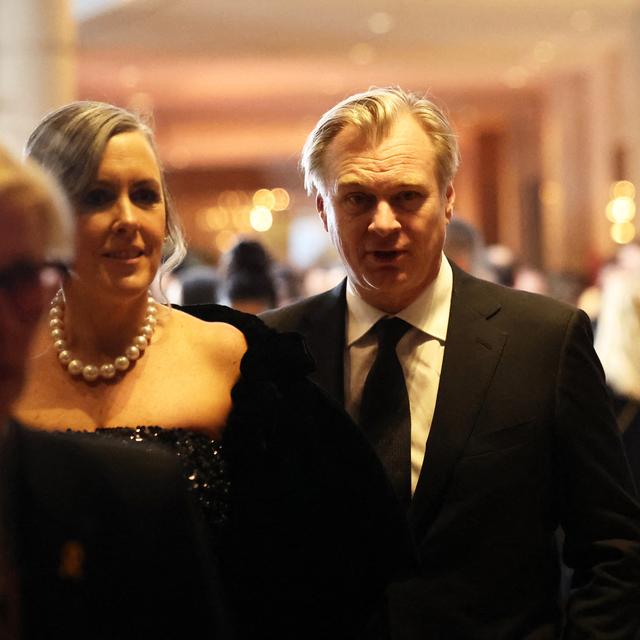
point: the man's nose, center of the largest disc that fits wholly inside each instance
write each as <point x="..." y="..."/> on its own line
<point x="384" y="219"/>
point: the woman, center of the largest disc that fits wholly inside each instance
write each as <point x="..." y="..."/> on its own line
<point x="300" y="514"/>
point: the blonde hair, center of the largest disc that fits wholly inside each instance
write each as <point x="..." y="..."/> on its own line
<point x="374" y="112"/>
<point x="26" y="187"/>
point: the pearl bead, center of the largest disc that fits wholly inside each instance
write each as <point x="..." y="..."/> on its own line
<point x="132" y="352"/>
<point x="90" y="372"/>
<point x="75" y="367"/>
<point x="140" y="342"/>
<point x="121" y="363"/>
<point x="107" y="371"/>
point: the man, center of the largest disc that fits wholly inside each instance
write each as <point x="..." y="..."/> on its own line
<point x="97" y="540"/>
<point x="510" y="431"/>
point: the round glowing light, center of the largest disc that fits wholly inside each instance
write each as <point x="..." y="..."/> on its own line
<point x="225" y="240"/>
<point x="362" y="54"/>
<point x="380" y="22"/>
<point x="229" y="199"/>
<point x="622" y="209"/>
<point x="544" y="52"/>
<point x="281" y="199"/>
<point x="217" y="218"/>
<point x="261" y="218"/>
<point x="264" y="198"/>
<point x="623" y="232"/>
<point x="623" y="189"/>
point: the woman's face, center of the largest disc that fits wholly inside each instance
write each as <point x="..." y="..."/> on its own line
<point x="121" y="220"/>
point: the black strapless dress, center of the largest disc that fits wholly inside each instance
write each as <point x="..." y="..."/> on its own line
<point x="305" y="526"/>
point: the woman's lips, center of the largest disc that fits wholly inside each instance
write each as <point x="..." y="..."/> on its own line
<point x="124" y="254"/>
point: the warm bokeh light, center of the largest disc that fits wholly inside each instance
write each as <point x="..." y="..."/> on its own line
<point x="620" y="210"/>
<point x="217" y="218"/>
<point x="264" y="198"/>
<point x="623" y="189"/>
<point x="380" y="23"/>
<point x="281" y="199"/>
<point x="623" y="232"/>
<point x="261" y="218"/>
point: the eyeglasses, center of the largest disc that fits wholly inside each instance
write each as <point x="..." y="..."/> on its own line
<point x="25" y="284"/>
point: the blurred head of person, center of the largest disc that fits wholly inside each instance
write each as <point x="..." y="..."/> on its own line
<point x="464" y="245"/>
<point x="105" y="158"/>
<point x="36" y="240"/>
<point x="199" y="284"/>
<point x="381" y="164"/>
<point x="248" y="280"/>
<point x="617" y="339"/>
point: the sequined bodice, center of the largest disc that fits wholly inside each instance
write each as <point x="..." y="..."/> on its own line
<point x="202" y="462"/>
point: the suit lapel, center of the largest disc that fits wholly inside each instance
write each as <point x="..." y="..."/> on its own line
<point x="472" y="352"/>
<point x="324" y="329"/>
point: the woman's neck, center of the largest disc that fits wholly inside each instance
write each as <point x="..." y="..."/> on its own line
<point x="99" y="326"/>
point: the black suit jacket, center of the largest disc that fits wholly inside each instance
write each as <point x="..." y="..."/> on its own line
<point x="523" y="440"/>
<point x="106" y="543"/>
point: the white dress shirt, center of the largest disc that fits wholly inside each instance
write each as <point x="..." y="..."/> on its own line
<point x="420" y="352"/>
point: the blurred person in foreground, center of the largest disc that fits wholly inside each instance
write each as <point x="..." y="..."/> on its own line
<point x="307" y="534"/>
<point x="508" y="433"/>
<point x="97" y="540"/>
<point x="618" y="345"/>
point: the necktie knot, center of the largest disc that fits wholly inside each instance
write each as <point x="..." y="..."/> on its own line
<point x="390" y="331"/>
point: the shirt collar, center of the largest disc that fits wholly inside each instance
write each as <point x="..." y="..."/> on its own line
<point x="429" y="312"/>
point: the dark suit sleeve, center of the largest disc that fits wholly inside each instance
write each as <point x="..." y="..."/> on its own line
<point x="598" y="506"/>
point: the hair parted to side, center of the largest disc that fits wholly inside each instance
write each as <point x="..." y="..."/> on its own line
<point x="374" y="112"/>
<point x="25" y="187"/>
<point x="70" y="142"/>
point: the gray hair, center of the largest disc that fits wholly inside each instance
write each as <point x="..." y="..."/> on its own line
<point x="70" y="142"/>
<point x="374" y="112"/>
<point x="27" y="188"/>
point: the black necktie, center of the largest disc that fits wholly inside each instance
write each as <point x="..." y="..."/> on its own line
<point x="385" y="415"/>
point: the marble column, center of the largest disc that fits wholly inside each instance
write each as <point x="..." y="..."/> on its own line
<point x="37" y="64"/>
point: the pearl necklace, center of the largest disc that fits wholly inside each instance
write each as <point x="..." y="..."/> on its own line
<point x="91" y="372"/>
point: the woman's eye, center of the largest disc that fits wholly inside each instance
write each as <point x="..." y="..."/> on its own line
<point x="98" y="197"/>
<point x="146" y="196"/>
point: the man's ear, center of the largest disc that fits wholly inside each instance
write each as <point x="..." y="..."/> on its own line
<point x="450" y="196"/>
<point x="321" y="211"/>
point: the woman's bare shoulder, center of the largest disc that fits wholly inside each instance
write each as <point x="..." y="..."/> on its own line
<point x="223" y="341"/>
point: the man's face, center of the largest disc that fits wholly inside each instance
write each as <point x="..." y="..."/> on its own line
<point x="22" y="297"/>
<point x="385" y="212"/>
